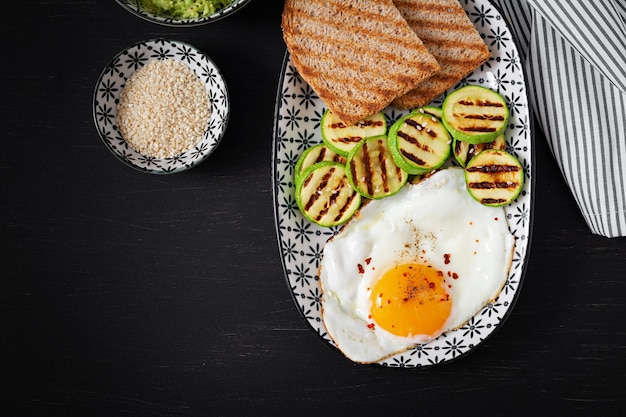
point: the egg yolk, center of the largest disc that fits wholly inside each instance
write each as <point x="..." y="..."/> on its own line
<point x="410" y="299"/>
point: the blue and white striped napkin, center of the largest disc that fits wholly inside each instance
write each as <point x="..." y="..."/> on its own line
<point x="574" y="55"/>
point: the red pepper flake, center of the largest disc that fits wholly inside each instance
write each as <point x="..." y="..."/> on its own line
<point x="371" y="326"/>
<point x="368" y="260"/>
<point x="495" y="218"/>
<point x="446" y="258"/>
<point x="455" y="275"/>
<point x="361" y="269"/>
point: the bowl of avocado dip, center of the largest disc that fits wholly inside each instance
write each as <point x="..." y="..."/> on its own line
<point x="182" y="12"/>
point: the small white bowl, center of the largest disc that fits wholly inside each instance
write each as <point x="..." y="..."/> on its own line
<point x="135" y="7"/>
<point x="112" y="81"/>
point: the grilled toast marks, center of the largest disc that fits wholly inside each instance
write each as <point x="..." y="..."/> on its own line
<point x="357" y="55"/>
<point x="450" y="36"/>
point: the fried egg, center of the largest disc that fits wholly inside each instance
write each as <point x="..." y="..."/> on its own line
<point x="412" y="266"/>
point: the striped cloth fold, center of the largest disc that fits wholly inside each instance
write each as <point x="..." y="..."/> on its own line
<point x="574" y="55"/>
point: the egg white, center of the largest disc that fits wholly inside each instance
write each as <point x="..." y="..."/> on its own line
<point x="435" y="222"/>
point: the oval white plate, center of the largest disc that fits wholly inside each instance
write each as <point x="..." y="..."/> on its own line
<point x="110" y="86"/>
<point x="134" y="6"/>
<point x="296" y="127"/>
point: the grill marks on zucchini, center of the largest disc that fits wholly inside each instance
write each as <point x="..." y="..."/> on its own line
<point x="419" y="143"/>
<point x="494" y="177"/>
<point x="372" y="171"/>
<point x="481" y="103"/>
<point x="475" y="114"/>
<point x="325" y="196"/>
<point x="465" y="151"/>
<point x="490" y="169"/>
<point x="473" y="111"/>
<point x="341" y="138"/>
<point x="432" y="110"/>
<point x="314" y="155"/>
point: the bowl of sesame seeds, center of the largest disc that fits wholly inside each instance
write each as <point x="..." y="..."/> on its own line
<point x="161" y="106"/>
<point x="182" y="12"/>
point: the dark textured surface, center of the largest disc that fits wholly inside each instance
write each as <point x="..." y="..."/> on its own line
<point x="132" y="294"/>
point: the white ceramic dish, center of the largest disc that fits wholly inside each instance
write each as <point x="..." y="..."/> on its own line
<point x="301" y="243"/>
<point x="112" y="81"/>
<point x="135" y="7"/>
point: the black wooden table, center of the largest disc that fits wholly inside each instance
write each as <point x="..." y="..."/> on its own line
<point x="126" y="293"/>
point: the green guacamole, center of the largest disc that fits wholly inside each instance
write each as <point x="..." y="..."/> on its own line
<point x="185" y="9"/>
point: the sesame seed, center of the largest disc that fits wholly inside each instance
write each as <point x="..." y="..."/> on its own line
<point x="164" y="109"/>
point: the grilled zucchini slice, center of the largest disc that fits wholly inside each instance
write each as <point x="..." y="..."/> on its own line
<point x="494" y="177"/>
<point x="325" y="196"/>
<point x="419" y="143"/>
<point x="464" y="151"/>
<point x="313" y="155"/>
<point x="475" y="114"/>
<point x="342" y="138"/>
<point x="372" y="171"/>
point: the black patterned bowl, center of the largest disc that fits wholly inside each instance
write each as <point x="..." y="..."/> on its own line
<point x="135" y="7"/>
<point x="112" y="81"/>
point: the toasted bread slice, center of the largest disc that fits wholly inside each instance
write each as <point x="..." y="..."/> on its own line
<point x="357" y="55"/>
<point x="450" y="36"/>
